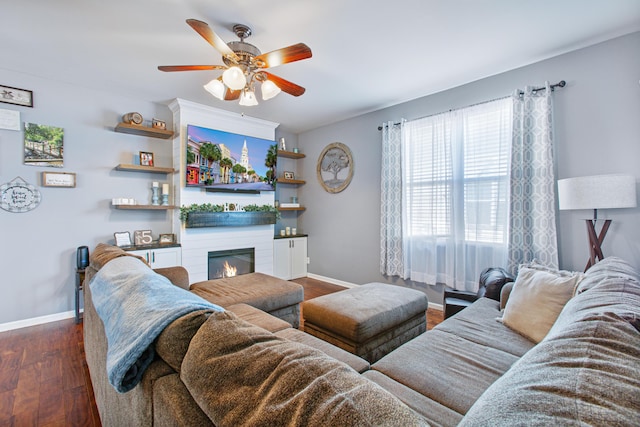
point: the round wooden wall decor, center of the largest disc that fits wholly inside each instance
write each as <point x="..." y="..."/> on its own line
<point x="335" y="167"/>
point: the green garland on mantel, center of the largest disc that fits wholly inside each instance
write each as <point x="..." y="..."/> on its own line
<point x="208" y="207"/>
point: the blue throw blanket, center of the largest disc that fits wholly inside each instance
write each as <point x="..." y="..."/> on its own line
<point x="135" y="305"/>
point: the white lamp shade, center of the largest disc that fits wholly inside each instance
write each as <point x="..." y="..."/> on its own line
<point x="215" y="88"/>
<point x="597" y="192"/>
<point x="234" y="78"/>
<point x="248" y="98"/>
<point x="269" y="89"/>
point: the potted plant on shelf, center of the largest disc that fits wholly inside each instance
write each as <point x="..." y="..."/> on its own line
<point x="209" y="215"/>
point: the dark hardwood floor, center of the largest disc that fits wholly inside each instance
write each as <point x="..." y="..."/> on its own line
<point x="44" y="378"/>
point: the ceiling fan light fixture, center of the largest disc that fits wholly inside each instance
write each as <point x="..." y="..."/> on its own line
<point x="215" y="88"/>
<point x="248" y="98"/>
<point x="269" y="89"/>
<point x="234" y="78"/>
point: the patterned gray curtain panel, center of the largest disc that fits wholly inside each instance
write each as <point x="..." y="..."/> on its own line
<point x="532" y="221"/>
<point x="391" y="251"/>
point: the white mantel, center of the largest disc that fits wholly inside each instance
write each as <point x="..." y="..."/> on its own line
<point x="197" y="242"/>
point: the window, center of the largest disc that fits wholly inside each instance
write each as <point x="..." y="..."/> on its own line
<point x="456" y="191"/>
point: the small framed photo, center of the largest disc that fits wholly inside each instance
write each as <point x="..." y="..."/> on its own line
<point x="167" y="238"/>
<point x="13" y="95"/>
<point x="142" y="237"/>
<point x="58" y="179"/>
<point x="123" y="238"/>
<point x="158" y="124"/>
<point x="288" y="175"/>
<point x="146" y="158"/>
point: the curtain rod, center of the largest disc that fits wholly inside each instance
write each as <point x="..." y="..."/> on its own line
<point x="561" y="83"/>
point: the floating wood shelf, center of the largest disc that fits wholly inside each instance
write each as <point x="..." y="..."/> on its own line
<point x="139" y="168"/>
<point x="290" y="154"/>
<point x="145" y="207"/>
<point x="300" y="208"/>
<point x="143" y="131"/>
<point x="291" y="181"/>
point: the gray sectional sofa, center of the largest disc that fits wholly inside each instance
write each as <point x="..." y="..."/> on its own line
<point x="226" y="368"/>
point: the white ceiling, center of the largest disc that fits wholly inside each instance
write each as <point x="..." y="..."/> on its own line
<point x="367" y="54"/>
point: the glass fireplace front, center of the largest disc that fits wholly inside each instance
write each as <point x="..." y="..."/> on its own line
<point x="232" y="262"/>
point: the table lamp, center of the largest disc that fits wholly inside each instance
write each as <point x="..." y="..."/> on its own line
<point x="597" y="192"/>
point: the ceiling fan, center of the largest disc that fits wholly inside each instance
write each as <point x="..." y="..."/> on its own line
<point x="244" y="66"/>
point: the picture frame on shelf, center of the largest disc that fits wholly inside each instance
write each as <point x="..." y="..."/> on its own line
<point x="122" y="238"/>
<point x="142" y="237"/>
<point x="58" y="179"/>
<point x="167" y="238"/>
<point x="289" y="175"/>
<point x="146" y="158"/>
<point x="16" y="96"/>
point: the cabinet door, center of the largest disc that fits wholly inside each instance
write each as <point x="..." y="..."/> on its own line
<point x="142" y="253"/>
<point x="166" y="257"/>
<point x="298" y="257"/>
<point x="281" y="258"/>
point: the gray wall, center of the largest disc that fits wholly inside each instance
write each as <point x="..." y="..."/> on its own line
<point x="38" y="247"/>
<point x="597" y="123"/>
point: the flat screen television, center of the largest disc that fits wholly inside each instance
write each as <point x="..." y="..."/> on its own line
<point x="230" y="162"/>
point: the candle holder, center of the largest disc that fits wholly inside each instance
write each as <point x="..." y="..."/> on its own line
<point x="165" y="200"/>
<point x="154" y="196"/>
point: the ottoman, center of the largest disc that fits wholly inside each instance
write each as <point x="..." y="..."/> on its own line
<point x="277" y="297"/>
<point x="368" y="321"/>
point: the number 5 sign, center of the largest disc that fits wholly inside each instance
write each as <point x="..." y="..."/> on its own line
<point x="142" y="237"/>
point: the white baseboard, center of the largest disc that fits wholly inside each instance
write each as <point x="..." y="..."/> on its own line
<point x="436" y="306"/>
<point x="332" y="281"/>
<point x="353" y="285"/>
<point x="18" y="324"/>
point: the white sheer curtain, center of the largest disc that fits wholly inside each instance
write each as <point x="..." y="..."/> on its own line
<point x="532" y="225"/>
<point x="454" y="196"/>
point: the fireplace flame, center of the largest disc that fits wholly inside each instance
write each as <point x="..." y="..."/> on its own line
<point x="229" y="270"/>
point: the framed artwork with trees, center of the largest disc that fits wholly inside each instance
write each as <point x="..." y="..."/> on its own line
<point x="335" y="167"/>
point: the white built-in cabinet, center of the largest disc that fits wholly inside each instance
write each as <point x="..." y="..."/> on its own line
<point x="161" y="257"/>
<point x="290" y="257"/>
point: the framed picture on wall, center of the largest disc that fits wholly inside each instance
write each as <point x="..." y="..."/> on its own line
<point x="13" y="95"/>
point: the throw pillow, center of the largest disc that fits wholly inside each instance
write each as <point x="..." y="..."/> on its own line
<point x="537" y="298"/>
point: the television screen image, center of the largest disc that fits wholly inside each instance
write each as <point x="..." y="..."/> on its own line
<point x="225" y="161"/>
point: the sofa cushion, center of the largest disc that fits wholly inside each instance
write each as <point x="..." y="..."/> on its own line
<point x="240" y="374"/>
<point x="173" y="405"/>
<point x="585" y="373"/>
<point x="446" y="368"/>
<point x="259" y="290"/>
<point x="178" y="275"/>
<point x="435" y="413"/>
<point x="258" y="317"/>
<point x="477" y="323"/>
<point x="538" y="296"/>
<point x="608" y="268"/>
<point x="173" y="342"/>
<point x="357" y="363"/>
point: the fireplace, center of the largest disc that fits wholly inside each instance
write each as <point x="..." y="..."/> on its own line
<point x="232" y="262"/>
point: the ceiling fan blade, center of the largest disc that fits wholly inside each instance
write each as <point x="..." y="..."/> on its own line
<point x="190" y="67"/>
<point x="214" y="40"/>
<point x="296" y="52"/>
<point x="285" y="85"/>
